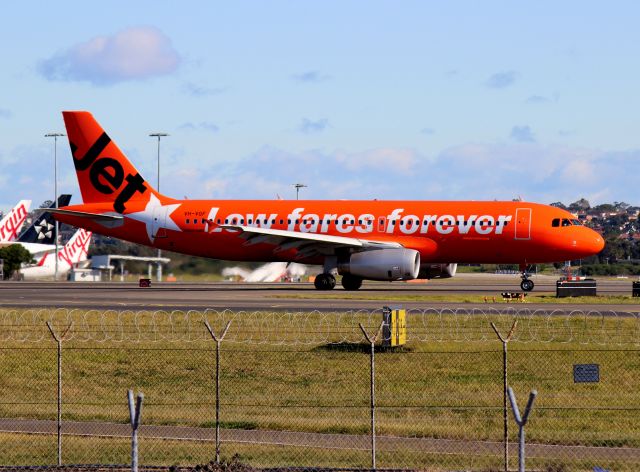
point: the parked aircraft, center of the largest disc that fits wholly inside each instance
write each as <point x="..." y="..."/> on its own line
<point x="74" y="252"/>
<point x="375" y="240"/>
<point x="12" y="222"/>
<point x="39" y="237"/>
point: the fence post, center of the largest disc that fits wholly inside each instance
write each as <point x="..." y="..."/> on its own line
<point x="218" y="340"/>
<point x="372" y="342"/>
<point x="505" y="415"/>
<point x="521" y="421"/>
<point x="59" y="339"/>
<point x="134" y="415"/>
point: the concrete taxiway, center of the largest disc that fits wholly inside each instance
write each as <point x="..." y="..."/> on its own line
<point x="464" y="291"/>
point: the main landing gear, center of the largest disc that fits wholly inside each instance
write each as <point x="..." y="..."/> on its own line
<point x="328" y="282"/>
<point x="351" y="282"/>
<point x="325" y="282"/>
<point x="527" y="284"/>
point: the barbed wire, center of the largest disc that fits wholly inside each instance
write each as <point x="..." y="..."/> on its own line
<point x="431" y="325"/>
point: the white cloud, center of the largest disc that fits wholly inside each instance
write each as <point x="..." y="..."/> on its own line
<point x="131" y="54"/>
<point x="391" y="160"/>
<point x="474" y="171"/>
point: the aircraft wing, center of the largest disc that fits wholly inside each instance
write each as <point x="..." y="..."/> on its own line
<point x="307" y="244"/>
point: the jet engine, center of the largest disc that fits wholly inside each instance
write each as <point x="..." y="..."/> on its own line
<point x="437" y="271"/>
<point x="382" y="264"/>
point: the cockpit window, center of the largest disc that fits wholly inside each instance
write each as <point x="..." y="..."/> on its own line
<point x="556" y="222"/>
<point x="576" y="222"/>
<point x="566" y="222"/>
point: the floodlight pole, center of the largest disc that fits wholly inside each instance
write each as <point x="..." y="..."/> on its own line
<point x="298" y="187"/>
<point x="159" y="136"/>
<point x="55" y="189"/>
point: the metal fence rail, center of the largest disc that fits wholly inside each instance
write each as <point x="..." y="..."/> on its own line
<point x="307" y="389"/>
<point x="310" y="328"/>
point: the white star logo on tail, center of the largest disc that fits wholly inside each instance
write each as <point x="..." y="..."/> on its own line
<point x="156" y="216"/>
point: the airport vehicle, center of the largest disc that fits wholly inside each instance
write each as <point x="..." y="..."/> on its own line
<point x="12" y="222"/>
<point x="72" y="253"/>
<point x="375" y="240"/>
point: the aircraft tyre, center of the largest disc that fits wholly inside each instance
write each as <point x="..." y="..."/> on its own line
<point x="527" y="285"/>
<point x="351" y="282"/>
<point x="325" y="282"/>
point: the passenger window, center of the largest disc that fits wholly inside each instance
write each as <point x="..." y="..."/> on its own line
<point x="187" y="220"/>
<point x="556" y="222"/>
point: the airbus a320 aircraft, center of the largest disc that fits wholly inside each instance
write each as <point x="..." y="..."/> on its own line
<point x="374" y="240"/>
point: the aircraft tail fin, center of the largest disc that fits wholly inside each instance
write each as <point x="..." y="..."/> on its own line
<point x="12" y="222"/>
<point x="104" y="173"/>
<point x="41" y="230"/>
<point x="76" y="249"/>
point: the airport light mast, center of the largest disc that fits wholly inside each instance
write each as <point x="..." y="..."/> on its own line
<point x="159" y="136"/>
<point x="55" y="137"/>
<point x="298" y="187"/>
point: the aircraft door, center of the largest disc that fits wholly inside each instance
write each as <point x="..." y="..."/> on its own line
<point x="523" y="223"/>
<point x="382" y="224"/>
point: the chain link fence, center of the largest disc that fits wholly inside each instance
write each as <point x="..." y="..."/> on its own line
<point x="295" y="389"/>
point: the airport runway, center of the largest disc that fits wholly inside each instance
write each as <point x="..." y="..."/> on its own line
<point x="450" y="293"/>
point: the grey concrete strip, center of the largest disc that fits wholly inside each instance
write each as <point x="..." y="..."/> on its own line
<point x="286" y="296"/>
<point x="317" y="440"/>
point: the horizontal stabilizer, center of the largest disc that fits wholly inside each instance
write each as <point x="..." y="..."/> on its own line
<point x="109" y="220"/>
<point x="84" y="214"/>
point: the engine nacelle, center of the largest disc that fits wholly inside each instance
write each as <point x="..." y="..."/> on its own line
<point x="437" y="271"/>
<point x="382" y="264"/>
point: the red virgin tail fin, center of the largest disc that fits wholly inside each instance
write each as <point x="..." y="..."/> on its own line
<point x="12" y="222"/>
<point x="104" y="172"/>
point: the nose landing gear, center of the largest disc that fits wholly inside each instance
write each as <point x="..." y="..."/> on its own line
<point x="526" y="285"/>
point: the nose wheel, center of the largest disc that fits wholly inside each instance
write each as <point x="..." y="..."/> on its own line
<point x="325" y="282"/>
<point x="526" y="285"/>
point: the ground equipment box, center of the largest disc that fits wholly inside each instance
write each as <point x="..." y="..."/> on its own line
<point x="636" y="289"/>
<point x="394" y="328"/>
<point x="576" y="288"/>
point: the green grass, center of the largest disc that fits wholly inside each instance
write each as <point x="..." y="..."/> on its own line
<point x="446" y="383"/>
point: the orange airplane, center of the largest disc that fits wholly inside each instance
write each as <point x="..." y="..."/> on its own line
<point x="360" y="240"/>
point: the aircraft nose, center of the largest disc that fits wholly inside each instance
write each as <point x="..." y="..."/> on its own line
<point x="597" y="242"/>
<point x="584" y="243"/>
<point x="591" y="242"/>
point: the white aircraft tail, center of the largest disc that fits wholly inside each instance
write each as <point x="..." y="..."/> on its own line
<point x="76" y="249"/>
<point x="12" y="222"/>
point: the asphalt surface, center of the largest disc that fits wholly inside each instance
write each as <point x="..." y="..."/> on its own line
<point x="315" y="440"/>
<point x="297" y="296"/>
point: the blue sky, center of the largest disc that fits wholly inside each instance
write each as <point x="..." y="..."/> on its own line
<point x="356" y="99"/>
